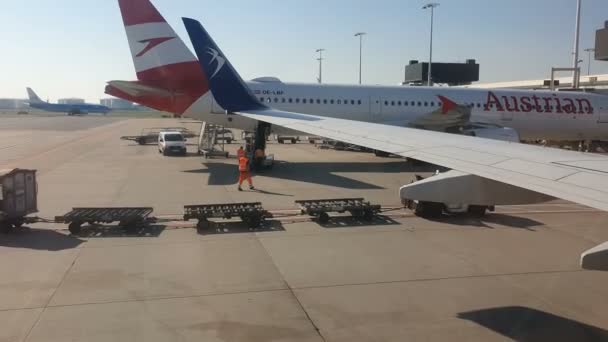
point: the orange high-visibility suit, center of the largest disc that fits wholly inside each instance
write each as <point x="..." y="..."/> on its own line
<point x="240" y="153"/>
<point x="244" y="171"/>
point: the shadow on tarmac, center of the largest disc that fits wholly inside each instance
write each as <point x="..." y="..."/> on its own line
<point x="350" y="222"/>
<point x="310" y="172"/>
<point x="500" y="219"/>
<point x="111" y="231"/>
<point x="527" y="324"/>
<point x="39" y="239"/>
<point x="238" y="227"/>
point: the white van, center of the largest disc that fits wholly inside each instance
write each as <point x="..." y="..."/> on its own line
<point x="171" y="142"/>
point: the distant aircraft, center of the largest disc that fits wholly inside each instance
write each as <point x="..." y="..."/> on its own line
<point x="170" y="79"/>
<point x="70" y="109"/>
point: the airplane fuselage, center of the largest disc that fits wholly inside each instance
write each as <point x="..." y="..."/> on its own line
<point x="70" y="108"/>
<point x="533" y="114"/>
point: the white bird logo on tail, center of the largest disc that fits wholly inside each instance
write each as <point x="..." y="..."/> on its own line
<point x="216" y="57"/>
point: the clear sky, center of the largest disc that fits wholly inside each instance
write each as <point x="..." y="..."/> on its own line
<point x="70" y="48"/>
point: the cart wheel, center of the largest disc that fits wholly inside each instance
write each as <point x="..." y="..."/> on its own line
<point x="477" y="210"/>
<point x="253" y="221"/>
<point x="18" y="223"/>
<point x="368" y="215"/>
<point x="429" y="210"/>
<point x="75" y="227"/>
<point x="323" y="218"/>
<point x="202" y="225"/>
<point x="130" y="226"/>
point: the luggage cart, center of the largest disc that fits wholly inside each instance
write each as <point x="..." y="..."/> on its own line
<point x="128" y="218"/>
<point x="18" y="198"/>
<point x="357" y="207"/>
<point x="252" y="214"/>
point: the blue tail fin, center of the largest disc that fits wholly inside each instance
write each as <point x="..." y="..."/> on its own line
<point x="227" y="86"/>
<point x="32" y="96"/>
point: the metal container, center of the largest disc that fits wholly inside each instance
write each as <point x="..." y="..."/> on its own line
<point x="18" y="190"/>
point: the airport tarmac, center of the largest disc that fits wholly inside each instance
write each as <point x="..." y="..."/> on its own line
<point x="511" y="275"/>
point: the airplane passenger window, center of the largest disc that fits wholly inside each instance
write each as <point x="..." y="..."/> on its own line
<point x="276" y="100"/>
<point x="478" y="105"/>
<point x="426" y="104"/>
<point x="405" y="103"/>
<point x="339" y="101"/>
<point x="318" y="101"/>
<point x="392" y="103"/>
<point x="261" y="99"/>
<point x="269" y="100"/>
<point x="345" y="102"/>
<point x="297" y="100"/>
<point x="352" y="102"/>
<point x="359" y="102"/>
<point x="324" y="101"/>
<point x="283" y="100"/>
<point x="413" y="103"/>
<point x="419" y="104"/>
<point x="312" y="101"/>
<point x="386" y="103"/>
<point x="303" y="100"/>
<point x="331" y="101"/>
<point x="290" y="100"/>
<point x="398" y="103"/>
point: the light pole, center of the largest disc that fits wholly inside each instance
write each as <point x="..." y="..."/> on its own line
<point x="589" y="51"/>
<point x="320" y="59"/>
<point x="577" y="32"/>
<point x="360" y="35"/>
<point x="432" y="6"/>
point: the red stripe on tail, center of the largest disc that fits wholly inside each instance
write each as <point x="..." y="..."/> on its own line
<point x="139" y="12"/>
<point x="185" y="81"/>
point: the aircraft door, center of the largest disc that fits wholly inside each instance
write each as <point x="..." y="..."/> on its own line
<point x="375" y="109"/>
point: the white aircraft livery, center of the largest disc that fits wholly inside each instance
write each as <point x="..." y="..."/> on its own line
<point x="482" y="172"/>
<point x="170" y="79"/>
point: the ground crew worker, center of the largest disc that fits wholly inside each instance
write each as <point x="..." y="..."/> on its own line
<point x="244" y="172"/>
<point x="240" y="152"/>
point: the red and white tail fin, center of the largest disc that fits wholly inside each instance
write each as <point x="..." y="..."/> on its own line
<point x="161" y="60"/>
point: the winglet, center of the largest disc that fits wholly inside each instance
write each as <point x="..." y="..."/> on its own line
<point x="228" y="88"/>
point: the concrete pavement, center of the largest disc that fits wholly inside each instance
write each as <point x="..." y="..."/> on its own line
<point x="511" y="275"/>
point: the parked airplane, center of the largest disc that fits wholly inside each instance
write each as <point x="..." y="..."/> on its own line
<point x="70" y="109"/>
<point x="482" y="173"/>
<point x="170" y="79"/>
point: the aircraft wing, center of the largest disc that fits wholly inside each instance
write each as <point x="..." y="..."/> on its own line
<point x="574" y="176"/>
